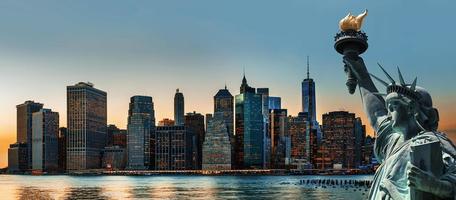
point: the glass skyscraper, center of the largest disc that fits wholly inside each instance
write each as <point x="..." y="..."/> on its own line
<point x="275" y="103"/>
<point x="179" y="108"/>
<point x="249" y="146"/>
<point x="141" y="125"/>
<point x="86" y="120"/>
<point x="308" y="96"/>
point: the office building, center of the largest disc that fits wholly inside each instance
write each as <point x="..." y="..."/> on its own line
<point x="86" y="121"/>
<point x="45" y="131"/>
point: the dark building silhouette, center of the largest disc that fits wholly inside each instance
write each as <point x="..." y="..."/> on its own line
<point x="116" y="136"/>
<point x="179" y="108"/>
<point x="280" y="139"/>
<point x="62" y="143"/>
<point x="140" y="129"/>
<point x="45" y="131"/>
<point x="249" y="121"/>
<point x="87" y="122"/>
<point x="173" y="149"/>
<point x="339" y="129"/>
<point x="24" y="126"/>
<point x="194" y="122"/>
<point x="360" y="136"/>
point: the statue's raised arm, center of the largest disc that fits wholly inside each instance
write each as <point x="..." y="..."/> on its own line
<point x="374" y="104"/>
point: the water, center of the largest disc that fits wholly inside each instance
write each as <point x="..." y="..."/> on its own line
<point x="174" y="187"/>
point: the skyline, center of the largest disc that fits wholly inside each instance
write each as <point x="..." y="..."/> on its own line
<point x="154" y="48"/>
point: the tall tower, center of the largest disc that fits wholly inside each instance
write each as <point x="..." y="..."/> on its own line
<point x="141" y="123"/>
<point x="224" y="103"/>
<point x="24" y="126"/>
<point x="45" y="140"/>
<point x="179" y="108"/>
<point x="249" y="149"/>
<point x="308" y="96"/>
<point x="87" y="123"/>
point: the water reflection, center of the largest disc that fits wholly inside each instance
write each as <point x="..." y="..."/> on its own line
<point x="168" y="187"/>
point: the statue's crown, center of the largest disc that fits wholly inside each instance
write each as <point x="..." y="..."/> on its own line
<point x="408" y="90"/>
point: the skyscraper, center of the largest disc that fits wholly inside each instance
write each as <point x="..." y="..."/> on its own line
<point x="62" y="137"/>
<point x="24" y="126"/>
<point x="179" y="108"/>
<point x="264" y="92"/>
<point x="173" y="148"/>
<point x="275" y="103"/>
<point x="249" y="128"/>
<point x="217" y="144"/>
<point x="86" y="120"/>
<point x="339" y="129"/>
<point x="301" y="138"/>
<point x="194" y="122"/>
<point x="141" y="124"/>
<point x="360" y="136"/>
<point x="280" y="140"/>
<point x="45" y="130"/>
<point x="224" y="103"/>
<point x="308" y="96"/>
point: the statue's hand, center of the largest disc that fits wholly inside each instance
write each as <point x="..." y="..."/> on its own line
<point x="427" y="182"/>
<point x="356" y="66"/>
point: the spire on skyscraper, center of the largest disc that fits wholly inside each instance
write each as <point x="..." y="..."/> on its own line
<point x="307" y="67"/>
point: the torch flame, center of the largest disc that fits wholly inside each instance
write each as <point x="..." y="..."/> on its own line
<point x="351" y="22"/>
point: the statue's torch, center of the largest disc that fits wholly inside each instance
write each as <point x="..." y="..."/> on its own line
<point x="351" y="42"/>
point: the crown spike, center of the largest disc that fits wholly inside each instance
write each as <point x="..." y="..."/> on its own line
<point x="401" y="79"/>
<point x="413" y="86"/>
<point x="386" y="73"/>
<point x="379" y="80"/>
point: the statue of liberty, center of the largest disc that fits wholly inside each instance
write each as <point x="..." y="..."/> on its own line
<point x="404" y="118"/>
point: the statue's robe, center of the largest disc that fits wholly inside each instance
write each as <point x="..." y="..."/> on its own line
<point x="393" y="152"/>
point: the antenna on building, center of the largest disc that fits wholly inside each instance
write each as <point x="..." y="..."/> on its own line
<point x="307" y="67"/>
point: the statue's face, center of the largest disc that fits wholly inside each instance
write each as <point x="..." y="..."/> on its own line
<point x="399" y="112"/>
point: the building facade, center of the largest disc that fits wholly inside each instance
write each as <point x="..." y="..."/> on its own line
<point x="179" y="108"/>
<point x="24" y="126"/>
<point x="173" y="149"/>
<point x="114" y="158"/>
<point x="339" y="129"/>
<point x="194" y="122"/>
<point x="217" y="144"/>
<point x="17" y="157"/>
<point x="224" y="103"/>
<point x="87" y="122"/>
<point x="140" y="129"/>
<point x="275" y="103"/>
<point x="249" y="122"/>
<point x="166" y="122"/>
<point x="62" y="140"/>
<point x="280" y="139"/>
<point x="264" y="92"/>
<point x="45" y="131"/>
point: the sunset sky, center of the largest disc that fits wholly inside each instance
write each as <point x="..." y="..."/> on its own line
<point x="151" y="48"/>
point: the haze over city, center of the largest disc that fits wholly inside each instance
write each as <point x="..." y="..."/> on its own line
<point x="154" y="48"/>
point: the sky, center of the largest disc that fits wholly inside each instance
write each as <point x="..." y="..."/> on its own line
<point x="152" y="48"/>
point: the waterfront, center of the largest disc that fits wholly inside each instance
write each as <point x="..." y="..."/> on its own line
<point x="176" y="187"/>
